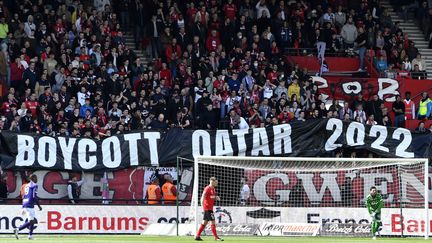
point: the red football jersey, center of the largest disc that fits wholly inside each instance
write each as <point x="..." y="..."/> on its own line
<point x="210" y="197"/>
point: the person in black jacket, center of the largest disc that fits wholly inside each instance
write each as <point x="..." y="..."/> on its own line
<point x="154" y="30"/>
<point x="324" y="40"/>
<point x="361" y="42"/>
<point x="209" y="118"/>
<point x="74" y="189"/>
<point x="399" y="111"/>
<point x="201" y="105"/>
<point x="3" y="188"/>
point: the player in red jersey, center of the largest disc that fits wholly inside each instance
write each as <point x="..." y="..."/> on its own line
<point x="208" y="199"/>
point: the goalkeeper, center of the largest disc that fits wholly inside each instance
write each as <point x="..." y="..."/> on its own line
<point x="374" y="203"/>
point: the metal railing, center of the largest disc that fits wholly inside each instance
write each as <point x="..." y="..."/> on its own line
<point x="313" y="52"/>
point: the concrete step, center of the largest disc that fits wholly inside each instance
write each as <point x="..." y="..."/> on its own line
<point x="417" y="38"/>
<point x="413" y="28"/>
<point x="419" y="41"/>
<point x="415" y="35"/>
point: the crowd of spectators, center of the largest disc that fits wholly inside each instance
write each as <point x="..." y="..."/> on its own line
<point x="420" y="11"/>
<point x="216" y="64"/>
<point x="401" y="56"/>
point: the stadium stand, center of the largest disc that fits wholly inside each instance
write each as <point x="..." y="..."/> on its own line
<point x="93" y="70"/>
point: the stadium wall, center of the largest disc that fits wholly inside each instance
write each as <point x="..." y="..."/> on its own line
<point x="134" y="219"/>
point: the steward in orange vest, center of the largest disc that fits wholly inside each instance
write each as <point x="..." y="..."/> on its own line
<point x="409" y="107"/>
<point x="169" y="191"/>
<point x="153" y="193"/>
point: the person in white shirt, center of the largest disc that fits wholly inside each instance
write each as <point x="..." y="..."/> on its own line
<point x="268" y="89"/>
<point x="262" y="9"/>
<point x="115" y="111"/>
<point x="360" y="114"/>
<point x="29" y="27"/>
<point x="82" y="95"/>
<point x="244" y="192"/>
<point x="23" y="110"/>
<point x="100" y="4"/>
<point x="243" y="124"/>
<point x="418" y="61"/>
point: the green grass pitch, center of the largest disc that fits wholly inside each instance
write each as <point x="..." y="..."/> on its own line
<point x="172" y="239"/>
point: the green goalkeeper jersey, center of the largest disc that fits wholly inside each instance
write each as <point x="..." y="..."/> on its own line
<point x="374" y="204"/>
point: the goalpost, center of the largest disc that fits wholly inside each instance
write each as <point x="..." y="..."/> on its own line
<point x="317" y="190"/>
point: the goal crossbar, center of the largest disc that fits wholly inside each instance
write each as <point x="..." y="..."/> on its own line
<point x="305" y="163"/>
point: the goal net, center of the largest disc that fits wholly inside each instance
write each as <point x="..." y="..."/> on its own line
<point x="331" y="192"/>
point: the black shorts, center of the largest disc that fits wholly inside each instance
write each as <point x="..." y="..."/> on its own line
<point x="209" y="215"/>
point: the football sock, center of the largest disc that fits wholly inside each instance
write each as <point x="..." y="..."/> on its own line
<point x="24" y="226"/>
<point x="213" y="229"/>
<point x="200" y="230"/>
<point x="31" y="230"/>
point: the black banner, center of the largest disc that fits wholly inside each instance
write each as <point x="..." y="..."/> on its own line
<point x="154" y="148"/>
